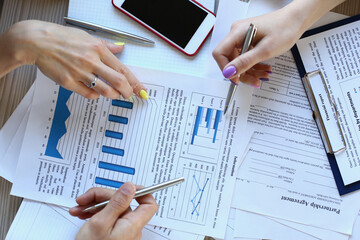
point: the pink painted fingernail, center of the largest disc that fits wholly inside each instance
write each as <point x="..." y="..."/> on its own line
<point x="229" y="71"/>
<point x="255" y="86"/>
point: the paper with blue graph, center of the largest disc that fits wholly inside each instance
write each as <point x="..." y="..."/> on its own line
<point x="72" y="144"/>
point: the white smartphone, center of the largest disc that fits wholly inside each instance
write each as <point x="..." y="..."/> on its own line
<point x="184" y="24"/>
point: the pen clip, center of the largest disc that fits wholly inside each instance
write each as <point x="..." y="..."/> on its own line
<point x="249" y="38"/>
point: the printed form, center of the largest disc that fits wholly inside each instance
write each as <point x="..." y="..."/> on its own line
<point x="286" y="173"/>
<point x="336" y="53"/>
<point x="72" y="144"/>
<point x="287" y="165"/>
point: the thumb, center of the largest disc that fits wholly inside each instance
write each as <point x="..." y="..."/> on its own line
<point x="114" y="47"/>
<point x="118" y="204"/>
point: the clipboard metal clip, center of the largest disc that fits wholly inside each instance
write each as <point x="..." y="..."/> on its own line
<point x="326" y="119"/>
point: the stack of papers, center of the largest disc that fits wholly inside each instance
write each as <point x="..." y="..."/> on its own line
<point x="280" y="180"/>
<point x="285" y="184"/>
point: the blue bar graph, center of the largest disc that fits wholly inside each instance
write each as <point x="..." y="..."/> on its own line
<point x="108" y="182"/>
<point x="208" y="119"/>
<point x="113" y="134"/>
<point x="123" y="104"/>
<point x="210" y="123"/>
<point x="112" y="150"/>
<point x="197" y="123"/>
<point x="216" y="123"/>
<point x="117" y="168"/>
<point x="118" y="119"/>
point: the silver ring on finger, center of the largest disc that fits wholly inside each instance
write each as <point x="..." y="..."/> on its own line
<point x="93" y="83"/>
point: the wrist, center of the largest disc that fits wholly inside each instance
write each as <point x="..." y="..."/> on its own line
<point x="307" y="12"/>
<point x="9" y="57"/>
<point x="22" y="37"/>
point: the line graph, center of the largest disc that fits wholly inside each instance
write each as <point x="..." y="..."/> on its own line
<point x="196" y="200"/>
<point x="189" y="200"/>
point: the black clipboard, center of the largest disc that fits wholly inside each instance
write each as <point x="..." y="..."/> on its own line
<point x="342" y="188"/>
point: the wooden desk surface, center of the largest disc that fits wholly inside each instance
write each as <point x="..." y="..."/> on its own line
<point x="14" y="86"/>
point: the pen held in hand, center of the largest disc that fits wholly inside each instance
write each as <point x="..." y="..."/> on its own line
<point x="247" y="43"/>
<point x="112" y="31"/>
<point x="139" y="193"/>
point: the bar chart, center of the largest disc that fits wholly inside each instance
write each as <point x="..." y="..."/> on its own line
<point x="115" y="134"/>
<point x="204" y="129"/>
<point x="207" y="124"/>
<point x="129" y="123"/>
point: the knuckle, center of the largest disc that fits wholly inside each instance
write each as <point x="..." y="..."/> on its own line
<point x="106" y="91"/>
<point x="125" y="71"/>
<point x="95" y="224"/>
<point x="91" y="95"/>
<point x="119" y="202"/>
<point x="234" y="25"/>
<point x="119" y="83"/>
<point x="136" y="87"/>
<point x="244" y="63"/>
<point x="97" y="46"/>
<point x="267" y="48"/>
<point x="215" y="53"/>
<point x="66" y="81"/>
<point x="126" y="95"/>
<point x="267" y="53"/>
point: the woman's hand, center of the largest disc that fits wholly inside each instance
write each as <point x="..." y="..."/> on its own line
<point x="72" y="58"/>
<point x="277" y="32"/>
<point x="116" y="220"/>
<point x="273" y="37"/>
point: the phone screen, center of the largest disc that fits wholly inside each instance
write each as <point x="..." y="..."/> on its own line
<point x="177" y="20"/>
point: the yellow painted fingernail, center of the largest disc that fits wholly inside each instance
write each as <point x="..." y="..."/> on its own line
<point x="119" y="43"/>
<point x="144" y="94"/>
<point x="129" y="98"/>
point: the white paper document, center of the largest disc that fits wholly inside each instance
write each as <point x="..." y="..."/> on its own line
<point x="356" y="232"/>
<point x="313" y="231"/>
<point x="72" y="144"/>
<point x="33" y="216"/>
<point x="287" y="155"/>
<point x="286" y="172"/>
<point x="161" y="56"/>
<point x="336" y="52"/>
<point x="11" y="136"/>
<point x="251" y="225"/>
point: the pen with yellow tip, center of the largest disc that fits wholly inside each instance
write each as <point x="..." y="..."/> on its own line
<point x="247" y="43"/>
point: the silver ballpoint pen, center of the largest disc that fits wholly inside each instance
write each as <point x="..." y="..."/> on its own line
<point x="140" y="193"/>
<point x="247" y="43"/>
<point x="96" y="27"/>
